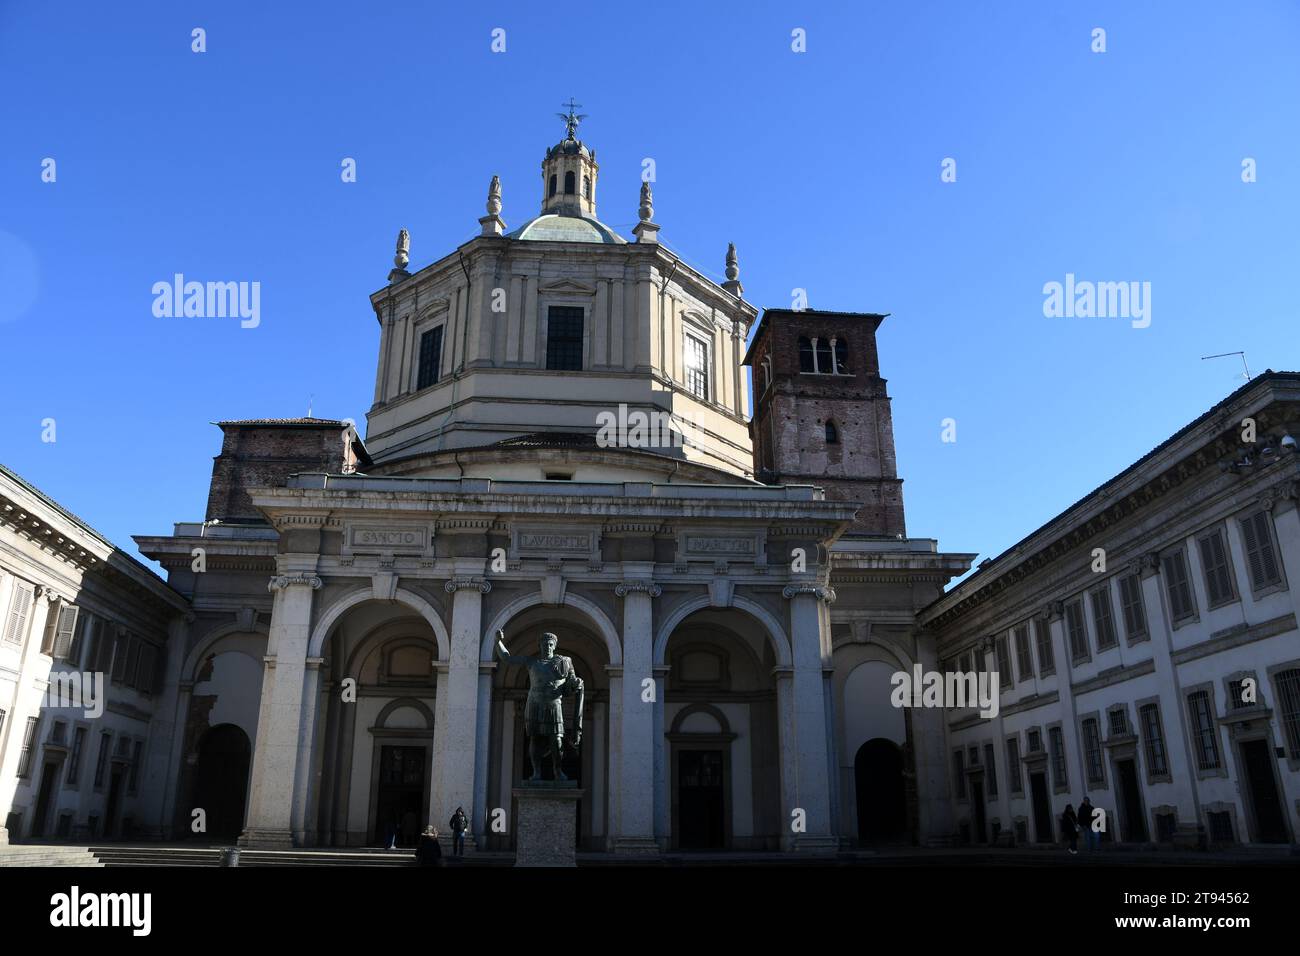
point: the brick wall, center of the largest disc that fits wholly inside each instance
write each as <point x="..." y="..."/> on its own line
<point x="264" y="455"/>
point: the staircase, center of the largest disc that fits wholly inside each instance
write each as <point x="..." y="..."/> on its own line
<point x="162" y="855"/>
<point x="47" y="856"/>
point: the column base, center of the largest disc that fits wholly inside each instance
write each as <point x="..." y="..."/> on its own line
<point x="635" y="846"/>
<point x="256" y="839"/>
<point x="4" y="837"/>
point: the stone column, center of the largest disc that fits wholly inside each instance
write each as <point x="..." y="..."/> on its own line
<point x="26" y="703"/>
<point x="805" y="740"/>
<point x="663" y="807"/>
<point x="935" y="823"/>
<point x="307" y="776"/>
<point x="455" y="731"/>
<point x="635" y="781"/>
<point x="162" y="774"/>
<point x="479" y="813"/>
<point x="279" y="727"/>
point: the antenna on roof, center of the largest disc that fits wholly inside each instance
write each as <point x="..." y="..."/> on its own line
<point x="1225" y="355"/>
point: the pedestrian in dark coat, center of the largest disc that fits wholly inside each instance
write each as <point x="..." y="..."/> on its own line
<point x="428" y="852"/>
<point x="1070" y="828"/>
<point x="1087" y="813"/>
<point x="459" y="823"/>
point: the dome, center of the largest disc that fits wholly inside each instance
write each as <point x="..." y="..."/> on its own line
<point x="556" y="227"/>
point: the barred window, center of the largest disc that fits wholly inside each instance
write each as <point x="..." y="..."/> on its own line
<point x="697" y="367"/>
<point x="1236" y="691"/>
<point x="1204" y="735"/>
<point x="1214" y="563"/>
<point x="29" y="740"/>
<point x="1135" y="615"/>
<point x="105" y="739"/>
<point x="1177" y="585"/>
<point x="1288" y="698"/>
<point x="1157" y="763"/>
<point x="564" y="327"/>
<point x="137" y="758"/>
<point x="1005" y="677"/>
<point x="1013" y="765"/>
<point x="1092" y="750"/>
<point x="959" y="774"/>
<point x="1103" y="618"/>
<point x="1261" y="556"/>
<point x="1024" y="655"/>
<point x="991" y="770"/>
<point x="1118" y="722"/>
<point x="1035" y="741"/>
<point x="1077" y="631"/>
<point x="74" y="759"/>
<point x="430" y="358"/>
<point x="1057" y="743"/>
<point x="1043" y="637"/>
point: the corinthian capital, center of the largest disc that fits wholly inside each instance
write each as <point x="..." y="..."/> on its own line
<point x="820" y="591"/>
<point x="638" y="587"/>
<point x="282" y="581"/>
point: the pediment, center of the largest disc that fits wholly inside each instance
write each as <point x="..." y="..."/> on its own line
<point x="566" y="287"/>
<point x="434" y="307"/>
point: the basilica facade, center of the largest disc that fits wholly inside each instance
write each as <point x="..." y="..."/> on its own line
<point x="733" y="621"/>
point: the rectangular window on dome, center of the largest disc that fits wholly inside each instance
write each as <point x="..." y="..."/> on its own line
<point x="430" y="358"/>
<point x="564" y="328"/>
<point x="696" y="354"/>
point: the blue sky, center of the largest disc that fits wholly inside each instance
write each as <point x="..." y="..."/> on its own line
<point x="823" y="167"/>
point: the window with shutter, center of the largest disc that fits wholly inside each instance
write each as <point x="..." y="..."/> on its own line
<point x="991" y="770"/>
<point x="1057" y="743"/>
<point x="132" y="661"/>
<point x="85" y="625"/>
<point x="1177" y="586"/>
<point x="1013" y="765"/>
<point x="119" y="656"/>
<point x="1043" y="637"/>
<point x="1092" y="748"/>
<point x="1135" y="615"/>
<point x="29" y="739"/>
<point x="1103" y="618"/>
<point x="1077" y="631"/>
<point x="74" y="759"/>
<point x="1218" y="574"/>
<point x="137" y="758"/>
<point x="19" y="608"/>
<point x="1005" y="677"/>
<point x="1261" y="556"/>
<point x="1024" y="654"/>
<point x="64" y="630"/>
<point x="101" y="764"/>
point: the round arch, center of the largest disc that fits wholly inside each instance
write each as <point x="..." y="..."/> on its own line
<point x="775" y="632"/>
<point x="350" y="600"/>
<point x="397" y="703"/>
<point x="209" y="640"/>
<point x="522" y="603"/>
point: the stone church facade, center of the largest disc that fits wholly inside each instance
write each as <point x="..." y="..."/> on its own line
<point x="561" y="440"/>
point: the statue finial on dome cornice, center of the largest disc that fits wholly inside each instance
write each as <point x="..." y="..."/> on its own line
<point x="732" y="284"/>
<point x="402" y="257"/>
<point x="645" y="230"/>
<point x="647" y="202"/>
<point x="571" y="119"/>
<point x="492" y="223"/>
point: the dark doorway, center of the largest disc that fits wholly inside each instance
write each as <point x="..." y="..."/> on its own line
<point x="1130" y="795"/>
<point x="1042" y="808"/>
<point x="1270" y="826"/>
<point x="400" y="804"/>
<point x="221" y="779"/>
<point x="878" y="780"/>
<point x="44" y="797"/>
<point x="701" y="814"/>
<point x="979" y="835"/>
<point x="114" y="800"/>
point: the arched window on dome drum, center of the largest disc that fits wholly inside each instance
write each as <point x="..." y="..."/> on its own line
<point x="570" y="183"/>
<point x="805" y="355"/>
<point x="551" y="191"/>
<point x="586" y="187"/>
<point x="823" y="356"/>
<point x="832" y="433"/>
<point x="841" y="357"/>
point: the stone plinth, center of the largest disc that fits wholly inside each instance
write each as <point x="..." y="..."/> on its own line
<point x="547" y="819"/>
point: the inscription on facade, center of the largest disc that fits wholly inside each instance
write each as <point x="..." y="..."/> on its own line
<point x="388" y="539"/>
<point x="698" y="544"/>
<point x="552" y="542"/>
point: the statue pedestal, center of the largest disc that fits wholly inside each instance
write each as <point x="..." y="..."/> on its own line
<point x="546" y="817"/>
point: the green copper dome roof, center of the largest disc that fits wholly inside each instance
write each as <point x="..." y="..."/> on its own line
<point x="554" y="227"/>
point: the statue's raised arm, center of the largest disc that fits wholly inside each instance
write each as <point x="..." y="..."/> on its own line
<point x="504" y="655"/>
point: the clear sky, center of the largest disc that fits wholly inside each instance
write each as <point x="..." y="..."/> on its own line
<point x="823" y="167"/>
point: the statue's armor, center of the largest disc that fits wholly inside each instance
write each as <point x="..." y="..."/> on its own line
<point x="549" y="680"/>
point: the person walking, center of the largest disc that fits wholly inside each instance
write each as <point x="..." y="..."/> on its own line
<point x="428" y="852"/>
<point x="1070" y="828"/>
<point x="1087" y="814"/>
<point x="459" y="823"/>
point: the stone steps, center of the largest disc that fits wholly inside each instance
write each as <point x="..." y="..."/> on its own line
<point x="39" y="855"/>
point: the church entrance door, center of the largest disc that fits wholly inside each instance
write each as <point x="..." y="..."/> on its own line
<point x="399" y="812"/>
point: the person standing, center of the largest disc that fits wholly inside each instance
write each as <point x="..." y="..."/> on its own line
<point x="1087" y="814"/>
<point x="459" y="823"/>
<point x="1070" y="828"/>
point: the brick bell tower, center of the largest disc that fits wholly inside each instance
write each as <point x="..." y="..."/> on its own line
<point x="821" y="412"/>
